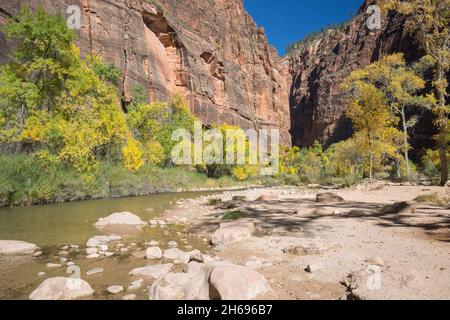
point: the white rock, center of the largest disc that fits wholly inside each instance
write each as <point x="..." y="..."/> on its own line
<point x="152" y="271"/>
<point x="153" y="222"/>
<point x="109" y="254"/>
<point x="90" y="251"/>
<point x="120" y="218"/>
<point x="172" y="244"/>
<point x="41" y="274"/>
<point x="232" y="282"/>
<point x="232" y="232"/>
<point x="61" y="288"/>
<point x="63" y="260"/>
<point x="131" y="296"/>
<point x="103" y="247"/>
<point x="12" y="247"/>
<point x="70" y="263"/>
<point x="93" y="256"/>
<point x="114" y="289"/>
<point x="153" y="243"/>
<point x="192" y="285"/>
<point x="135" y="285"/>
<point x="94" y="271"/>
<point x="37" y="254"/>
<point x="153" y="253"/>
<point x="180" y="256"/>
<point x="114" y="238"/>
<point x="53" y="265"/>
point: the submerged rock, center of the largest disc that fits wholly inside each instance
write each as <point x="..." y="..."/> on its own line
<point x="13" y="247"/>
<point x="61" y="288"/>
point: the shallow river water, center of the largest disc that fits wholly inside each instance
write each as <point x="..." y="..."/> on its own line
<point x="54" y="226"/>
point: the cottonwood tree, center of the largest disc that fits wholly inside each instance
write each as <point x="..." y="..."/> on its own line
<point x="400" y="86"/>
<point x="374" y="124"/>
<point x="429" y="22"/>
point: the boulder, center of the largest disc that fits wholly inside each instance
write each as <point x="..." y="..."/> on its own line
<point x="268" y="198"/>
<point x="120" y="218"/>
<point x="233" y="282"/>
<point x="152" y="271"/>
<point x="232" y="232"/>
<point x="180" y="256"/>
<point x="13" y="247"/>
<point x="61" y="288"/>
<point x="398" y="208"/>
<point x="153" y="253"/>
<point x="192" y="285"/>
<point x="329" y="198"/>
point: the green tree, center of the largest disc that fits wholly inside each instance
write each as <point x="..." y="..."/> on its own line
<point x="51" y="101"/>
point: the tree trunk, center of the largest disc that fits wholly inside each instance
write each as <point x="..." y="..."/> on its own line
<point x="406" y="146"/>
<point x="442" y="122"/>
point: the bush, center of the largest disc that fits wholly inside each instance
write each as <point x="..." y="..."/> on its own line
<point x="233" y="215"/>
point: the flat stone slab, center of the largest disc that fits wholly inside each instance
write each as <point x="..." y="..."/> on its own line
<point x="13" y="247"/>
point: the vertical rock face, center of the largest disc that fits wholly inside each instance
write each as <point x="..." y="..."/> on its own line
<point x="317" y="69"/>
<point x="210" y="51"/>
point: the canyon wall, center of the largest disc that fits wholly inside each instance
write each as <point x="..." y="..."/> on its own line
<point x="210" y="51"/>
<point x="318" y="67"/>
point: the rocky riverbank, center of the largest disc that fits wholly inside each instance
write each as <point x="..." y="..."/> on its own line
<point x="372" y="241"/>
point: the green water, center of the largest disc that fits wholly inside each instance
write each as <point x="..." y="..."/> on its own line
<point x="53" y="226"/>
<point x="72" y="223"/>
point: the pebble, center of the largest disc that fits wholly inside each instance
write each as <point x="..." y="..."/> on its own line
<point x="41" y="274"/>
<point x="135" y="285"/>
<point x="115" y="289"/>
<point x="377" y="261"/>
<point x="53" y="265"/>
<point x="93" y="256"/>
<point x="37" y="254"/>
<point x="70" y="263"/>
<point x="90" y="251"/>
<point x="172" y="244"/>
<point x="153" y="243"/>
<point x="94" y="271"/>
<point x="131" y="296"/>
<point x="311" y="268"/>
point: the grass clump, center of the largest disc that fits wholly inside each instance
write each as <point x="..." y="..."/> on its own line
<point x="233" y="215"/>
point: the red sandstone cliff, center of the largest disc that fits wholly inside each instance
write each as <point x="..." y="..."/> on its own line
<point x="319" y="66"/>
<point x="211" y="51"/>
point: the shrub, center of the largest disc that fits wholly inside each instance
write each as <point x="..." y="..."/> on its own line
<point x="233" y="215"/>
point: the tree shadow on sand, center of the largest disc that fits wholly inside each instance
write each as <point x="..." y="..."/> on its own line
<point x="297" y="216"/>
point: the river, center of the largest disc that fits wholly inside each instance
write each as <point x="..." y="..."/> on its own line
<point x="54" y="226"/>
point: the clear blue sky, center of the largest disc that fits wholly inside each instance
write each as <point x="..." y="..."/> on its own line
<point x="287" y="21"/>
